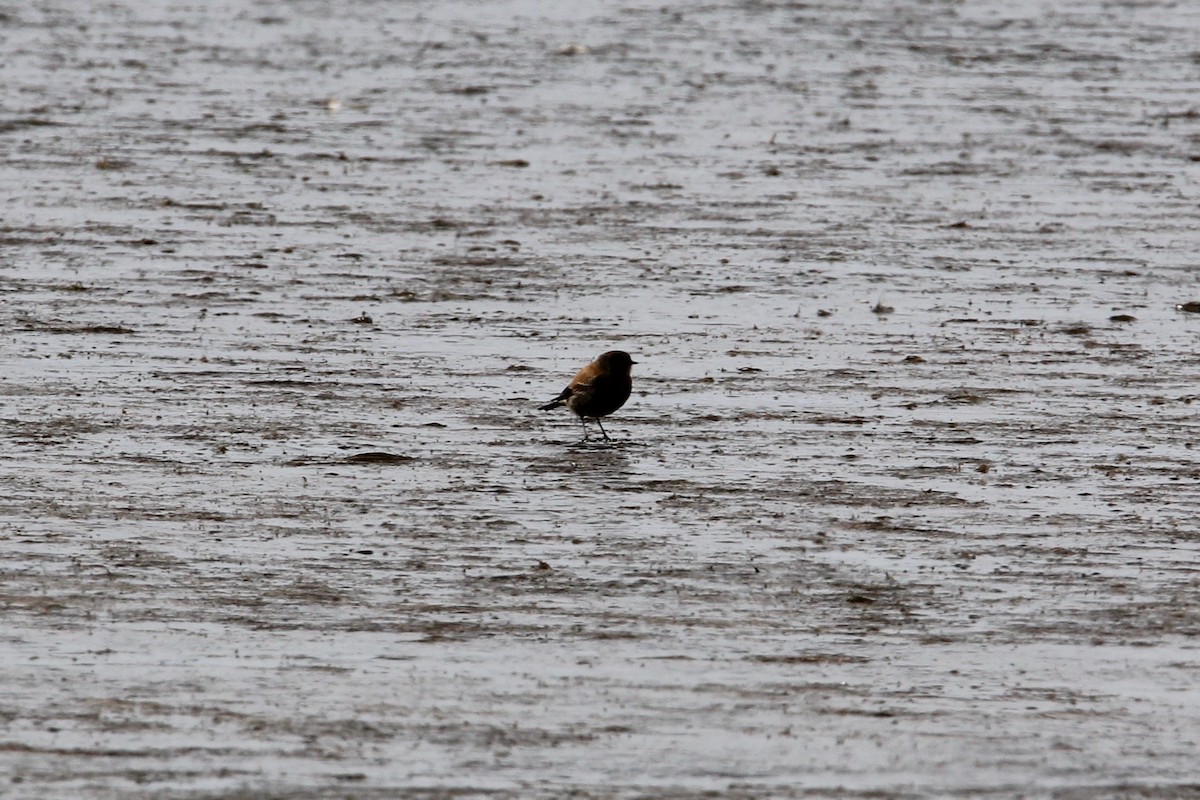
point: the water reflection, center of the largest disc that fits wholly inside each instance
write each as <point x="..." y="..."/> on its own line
<point x="591" y="464"/>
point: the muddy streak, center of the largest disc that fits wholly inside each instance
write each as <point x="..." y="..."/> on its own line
<point x="902" y="503"/>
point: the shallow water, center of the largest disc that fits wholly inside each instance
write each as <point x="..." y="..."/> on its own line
<point x="903" y="502"/>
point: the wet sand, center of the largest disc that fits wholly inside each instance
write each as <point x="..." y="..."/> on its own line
<point x="903" y="505"/>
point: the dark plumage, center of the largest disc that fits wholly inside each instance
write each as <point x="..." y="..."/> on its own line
<point x="598" y="389"/>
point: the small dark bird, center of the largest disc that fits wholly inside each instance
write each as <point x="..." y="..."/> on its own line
<point x="598" y="389"/>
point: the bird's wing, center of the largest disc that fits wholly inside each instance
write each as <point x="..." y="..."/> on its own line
<point x="585" y="386"/>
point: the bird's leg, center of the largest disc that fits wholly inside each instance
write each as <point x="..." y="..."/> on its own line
<point x="603" y="431"/>
<point x="583" y="422"/>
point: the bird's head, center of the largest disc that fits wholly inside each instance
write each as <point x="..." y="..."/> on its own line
<point x="617" y="361"/>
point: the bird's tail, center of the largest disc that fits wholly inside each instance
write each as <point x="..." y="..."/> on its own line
<point x="556" y="402"/>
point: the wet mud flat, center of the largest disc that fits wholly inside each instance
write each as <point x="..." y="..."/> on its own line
<point x="904" y="503"/>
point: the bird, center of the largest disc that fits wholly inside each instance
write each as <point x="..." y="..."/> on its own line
<point x="598" y="389"/>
